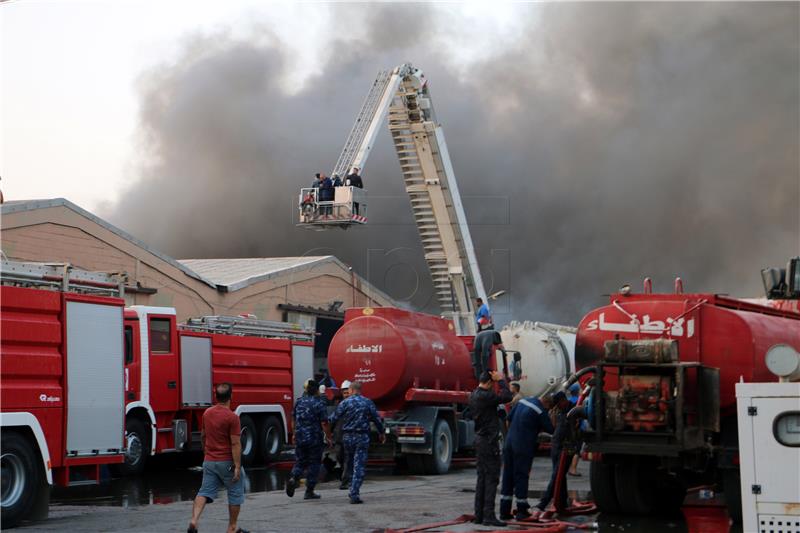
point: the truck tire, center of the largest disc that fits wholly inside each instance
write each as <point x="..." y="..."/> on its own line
<point x="732" y="488"/>
<point x="270" y="440"/>
<point x="249" y="440"/>
<point x="603" y="485"/>
<point x="21" y="478"/>
<point x="635" y="484"/>
<point x="438" y="462"/>
<point x="137" y="447"/>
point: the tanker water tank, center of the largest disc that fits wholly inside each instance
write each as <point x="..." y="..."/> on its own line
<point x="392" y="350"/>
<point x="546" y="354"/>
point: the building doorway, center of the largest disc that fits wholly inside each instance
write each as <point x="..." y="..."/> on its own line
<point x="324" y="322"/>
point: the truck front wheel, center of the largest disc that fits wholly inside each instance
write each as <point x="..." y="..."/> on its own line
<point x="137" y="447"/>
<point x="603" y="485"/>
<point x="21" y="478"/>
<point x="442" y="449"/>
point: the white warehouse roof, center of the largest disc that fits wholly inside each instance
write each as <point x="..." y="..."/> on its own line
<point x="233" y="274"/>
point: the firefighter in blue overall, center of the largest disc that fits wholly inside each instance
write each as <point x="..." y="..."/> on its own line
<point x="528" y="418"/>
<point x="310" y="428"/>
<point x="356" y="412"/>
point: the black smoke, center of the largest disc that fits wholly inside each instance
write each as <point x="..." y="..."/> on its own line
<point x="610" y="142"/>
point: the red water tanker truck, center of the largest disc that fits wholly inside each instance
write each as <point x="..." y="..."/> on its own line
<point x="663" y="409"/>
<point x="418" y="373"/>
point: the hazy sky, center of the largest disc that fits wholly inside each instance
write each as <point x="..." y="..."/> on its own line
<point x="69" y="73"/>
<point x="594" y="143"/>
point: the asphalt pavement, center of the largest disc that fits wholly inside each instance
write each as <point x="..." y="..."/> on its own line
<point x="160" y="501"/>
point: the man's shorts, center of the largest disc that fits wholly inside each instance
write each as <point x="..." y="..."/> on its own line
<point x="218" y="474"/>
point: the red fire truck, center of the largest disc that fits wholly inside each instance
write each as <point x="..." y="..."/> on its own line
<point x="170" y="370"/>
<point x="62" y="397"/>
<point x="87" y="382"/>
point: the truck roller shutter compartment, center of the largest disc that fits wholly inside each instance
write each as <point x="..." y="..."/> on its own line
<point x="94" y="378"/>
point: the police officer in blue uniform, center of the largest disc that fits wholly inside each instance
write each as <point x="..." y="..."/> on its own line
<point x="356" y="412"/>
<point x="528" y="417"/>
<point x="310" y="420"/>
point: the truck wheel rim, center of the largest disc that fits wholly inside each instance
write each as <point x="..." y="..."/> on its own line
<point x="13" y="479"/>
<point x="444" y="448"/>
<point x="247" y="441"/>
<point x="133" y="452"/>
<point x="271" y="441"/>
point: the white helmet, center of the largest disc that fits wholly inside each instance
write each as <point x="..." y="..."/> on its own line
<point x="345" y="384"/>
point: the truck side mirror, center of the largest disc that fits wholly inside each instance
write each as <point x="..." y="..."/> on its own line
<point x="774" y="281"/>
<point x="793" y="278"/>
<point x="517" y="366"/>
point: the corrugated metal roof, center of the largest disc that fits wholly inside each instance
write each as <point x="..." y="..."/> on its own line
<point x="235" y="274"/>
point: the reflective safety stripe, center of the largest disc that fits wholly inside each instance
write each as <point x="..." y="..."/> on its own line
<point x="532" y="405"/>
<point x="505" y="497"/>
<point x="525" y="502"/>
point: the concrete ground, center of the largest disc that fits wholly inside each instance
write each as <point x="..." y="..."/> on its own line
<point x="391" y="501"/>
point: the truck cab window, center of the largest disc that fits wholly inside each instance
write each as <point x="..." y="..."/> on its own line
<point x="128" y="345"/>
<point x="160" y="337"/>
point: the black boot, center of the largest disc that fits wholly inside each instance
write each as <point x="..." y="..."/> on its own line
<point x="311" y="495"/>
<point x="344" y="485"/>
<point x="291" y="484"/>
<point x="493" y="521"/>
<point x="523" y="512"/>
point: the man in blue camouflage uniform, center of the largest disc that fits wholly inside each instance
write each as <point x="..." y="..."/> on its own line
<point x="356" y="412"/>
<point x="310" y="419"/>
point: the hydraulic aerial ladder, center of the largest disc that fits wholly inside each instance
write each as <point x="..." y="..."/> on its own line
<point x="402" y="95"/>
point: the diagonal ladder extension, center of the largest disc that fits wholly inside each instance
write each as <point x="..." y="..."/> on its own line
<point x="403" y="136"/>
<point x="362" y="124"/>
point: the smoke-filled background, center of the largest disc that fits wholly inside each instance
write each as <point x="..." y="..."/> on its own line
<point x="604" y="143"/>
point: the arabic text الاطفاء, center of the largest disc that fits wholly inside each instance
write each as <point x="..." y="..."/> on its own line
<point x="365" y="348"/>
<point x="658" y="327"/>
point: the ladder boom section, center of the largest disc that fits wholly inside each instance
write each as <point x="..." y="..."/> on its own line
<point x="369" y="119"/>
<point x="436" y="203"/>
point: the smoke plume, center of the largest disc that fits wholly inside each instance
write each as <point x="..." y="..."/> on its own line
<point x="608" y="143"/>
